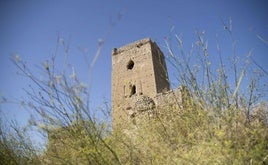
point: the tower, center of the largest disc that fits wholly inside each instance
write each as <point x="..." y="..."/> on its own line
<point x="138" y="72"/>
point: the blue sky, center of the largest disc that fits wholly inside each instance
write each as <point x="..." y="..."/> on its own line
<point x="30" y="28"/>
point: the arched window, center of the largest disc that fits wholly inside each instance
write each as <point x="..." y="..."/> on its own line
<point x="133" y="90"/>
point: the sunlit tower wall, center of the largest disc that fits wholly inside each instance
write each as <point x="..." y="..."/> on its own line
<point x="138" y="69"/>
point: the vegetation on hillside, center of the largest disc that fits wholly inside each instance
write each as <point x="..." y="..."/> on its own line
<point x="219" y="124"/>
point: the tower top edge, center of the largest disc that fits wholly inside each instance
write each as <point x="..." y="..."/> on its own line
<point x="131" y="45"/>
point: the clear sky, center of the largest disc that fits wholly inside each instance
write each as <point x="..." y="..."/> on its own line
<point x="30" y="28"/>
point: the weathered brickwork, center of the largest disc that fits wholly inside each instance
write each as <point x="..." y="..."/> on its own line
<point x="139" y="81"/>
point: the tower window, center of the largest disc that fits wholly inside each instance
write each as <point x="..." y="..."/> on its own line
<point x="133" y="90"/>
<point x="130" y="65"/>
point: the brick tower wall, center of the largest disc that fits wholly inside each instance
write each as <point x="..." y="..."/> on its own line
<point x="137" y="69"/>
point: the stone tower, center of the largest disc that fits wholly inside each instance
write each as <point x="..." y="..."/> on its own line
<point x="138" y="73"/>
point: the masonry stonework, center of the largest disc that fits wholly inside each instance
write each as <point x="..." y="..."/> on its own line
<point x="139" y="81"/>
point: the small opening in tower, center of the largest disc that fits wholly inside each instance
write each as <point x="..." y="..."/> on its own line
<point x="130" y="65"/>
<point x="133" y="90"/>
